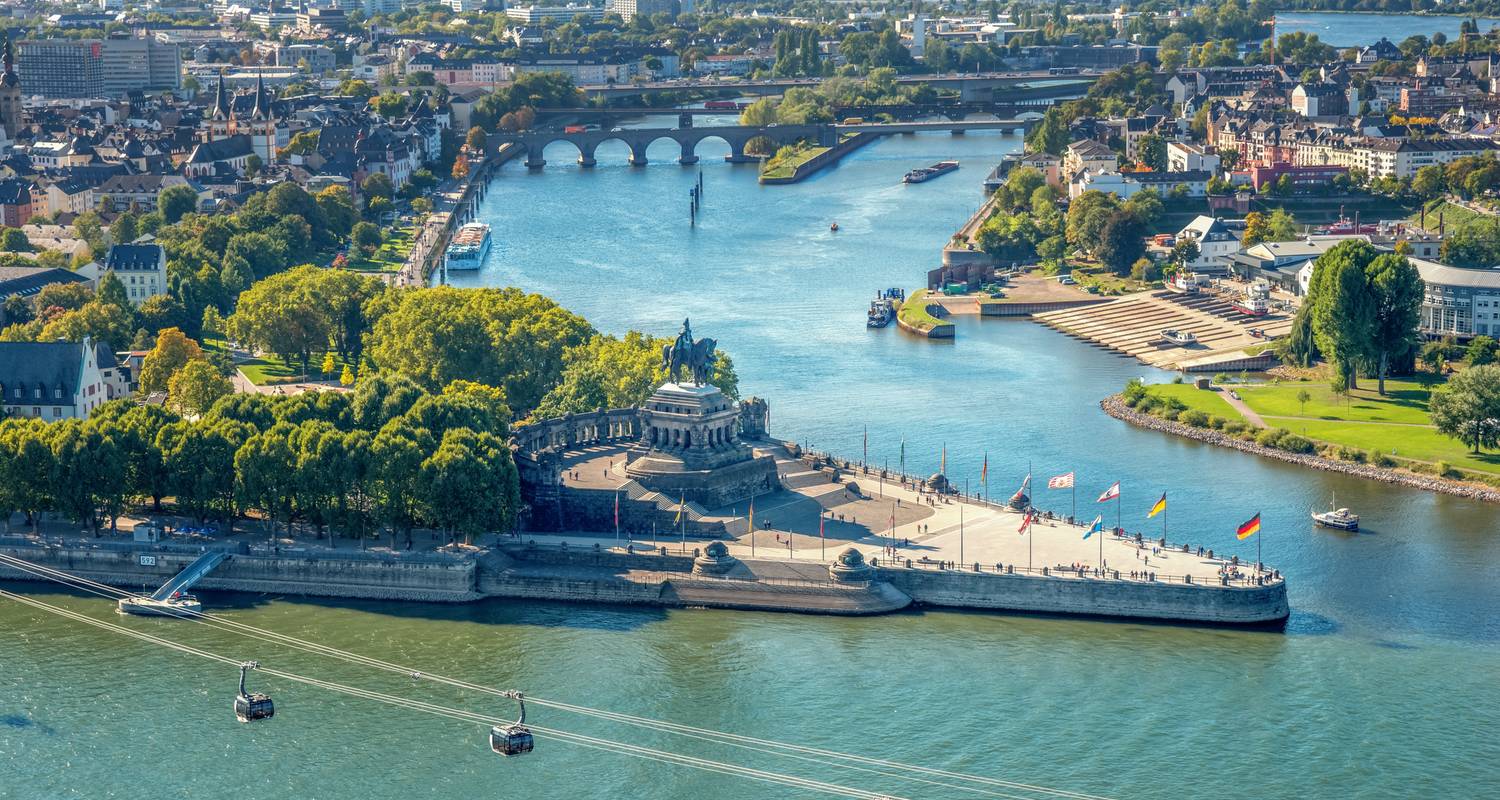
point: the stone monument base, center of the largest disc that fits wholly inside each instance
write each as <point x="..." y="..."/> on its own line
<point x="693" y="450"/>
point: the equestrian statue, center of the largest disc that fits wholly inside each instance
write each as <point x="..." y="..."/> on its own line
<point x="697" y="357"/>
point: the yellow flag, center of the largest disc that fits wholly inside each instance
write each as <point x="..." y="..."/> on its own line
<point x="1161" y="505"/>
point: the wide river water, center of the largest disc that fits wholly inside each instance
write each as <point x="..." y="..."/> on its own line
<point x="1383" y="684"/>
<point x="1355" y="30"/>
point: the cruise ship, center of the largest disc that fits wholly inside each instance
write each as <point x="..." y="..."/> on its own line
<point x="469" y="246"/>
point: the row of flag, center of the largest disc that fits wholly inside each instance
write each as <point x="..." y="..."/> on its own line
<point x="1065" y="481"/>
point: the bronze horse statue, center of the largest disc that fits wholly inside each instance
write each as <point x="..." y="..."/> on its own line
<point x="696" y="357"/>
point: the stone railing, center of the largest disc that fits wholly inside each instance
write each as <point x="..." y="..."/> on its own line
<point x="576" y="430"/>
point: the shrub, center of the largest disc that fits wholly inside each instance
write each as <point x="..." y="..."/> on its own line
<point x="1292" y="443"/>
<point x="1177" y="378"/>
<point x="1380" y="459"/>
<point x="1234" y="427"/>
<point x="1216" y="422"/>
<point x="1170" y="413"/>
<point x="1134" y="391"/>
<point x="1221" y="378"/>
<point x="1193" y="417"/>
<point x="1446" y="470"/>
<point x="1270" y="437"/>
<point x="1353" y="454"/>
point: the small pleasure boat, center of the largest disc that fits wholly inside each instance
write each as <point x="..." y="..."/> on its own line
<point x="1339" y="519"/>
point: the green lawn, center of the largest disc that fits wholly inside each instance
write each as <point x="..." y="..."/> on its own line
<point x="1395" y="425"/>
<point x="914" y="312"/>
<point x="1205" y="400"/>
<point x="787" y="167"/>
<point x="388" y="257"/>
<point x="1455" y="218"/>
<point x="1405" y="401"/>
<point x="268" y="370"/>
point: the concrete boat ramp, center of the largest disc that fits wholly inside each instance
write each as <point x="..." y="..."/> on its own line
<point x="1133" y="324"/>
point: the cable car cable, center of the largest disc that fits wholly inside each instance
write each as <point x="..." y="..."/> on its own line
<point x="458" y="714"/>
<point x="736" y="740"/>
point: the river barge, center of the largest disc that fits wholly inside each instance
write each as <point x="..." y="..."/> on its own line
<point x="928" y="173"/>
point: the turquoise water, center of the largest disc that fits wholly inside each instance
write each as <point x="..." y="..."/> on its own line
<point x="1353" y="30"/>
<point x="1382" y="685"/>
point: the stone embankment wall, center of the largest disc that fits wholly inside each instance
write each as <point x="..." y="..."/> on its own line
<point x="1115" y="407"/>
<point x="827" y="158"/>
<point x="321" y="575"/>
<point x="1214" y="604"/>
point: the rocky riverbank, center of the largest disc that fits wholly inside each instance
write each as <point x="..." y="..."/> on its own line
<point x="1115" y="406"/>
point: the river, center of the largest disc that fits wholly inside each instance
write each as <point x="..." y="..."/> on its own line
<point x="1381" y="686"/>
<point x="1356" y="30"/>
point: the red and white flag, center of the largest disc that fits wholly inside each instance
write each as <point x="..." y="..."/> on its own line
<point x="1060" y="481"/>
<point x="820" y="526"/>
<point x="1025" y="523"/>
<point x="1110" y="493"/>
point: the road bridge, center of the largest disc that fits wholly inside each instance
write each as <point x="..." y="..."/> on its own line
<point x="1009" y="108"/>
<point x="982" y="86"/>
<point x="736" y="136"/>
<point x="638" y="139"/>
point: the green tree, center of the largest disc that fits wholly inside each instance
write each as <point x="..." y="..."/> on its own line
<point x="1051" y="136"/>
<point x="1467" y="408"/>
<point x="196" y="387"/>
<point x="283" y="315"/>
<point x="13" y="240"/>
<point x="1481" y="351"/>
<point x="1395" y="288"/>
<point x="172" y="352"/>
<point x="1121" y="242"/>
<point x="1342" y="308"/>
<point x="265" y="469"/>
<point x="174" y="202"/>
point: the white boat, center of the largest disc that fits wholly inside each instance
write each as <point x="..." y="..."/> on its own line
<point x="1340" y="519"/>
<point x="1184" y="283"/>
<point x="178" y="605"/>
<point x="468" y="247"/>
<point x="1256" y="302"/>
<point x="1179" y="338"/>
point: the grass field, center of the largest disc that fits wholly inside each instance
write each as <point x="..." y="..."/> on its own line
<point x="270" y="370"/>
<point x="913" y="312"/>
<point x="1395" y="425"/>
<point x="778" y="168"/>
<point x="1455" y="217"/>
<point x="388" y="257"/>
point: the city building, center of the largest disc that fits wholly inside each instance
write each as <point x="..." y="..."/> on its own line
<point x="28" y="281"/>
<point x="1186" y="157"/>
<point x="10" y="95"/>
<point x="55" y="380"/>
<point x="1457" y="302"/>
<point x="1320" y="100"/>
<point x="534" y="14"/>
<point x="1217" y="241"/>
<point x="1087" y="154"/>
<point x="87" y="68"/>
<point x="319" y="58"/>
<point x="628" y="9"/>
<point x="141" y="267"/>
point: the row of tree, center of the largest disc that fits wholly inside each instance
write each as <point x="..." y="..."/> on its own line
<point x="389" y="456"/>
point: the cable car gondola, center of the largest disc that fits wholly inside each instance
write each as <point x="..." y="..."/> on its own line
<point x="512" y="740"/>
<point x="248" y="706"/>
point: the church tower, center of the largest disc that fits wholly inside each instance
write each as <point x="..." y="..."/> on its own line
<point x="10" y="94"/>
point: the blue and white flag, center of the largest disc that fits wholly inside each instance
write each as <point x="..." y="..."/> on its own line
<point x="1097" y="527"/>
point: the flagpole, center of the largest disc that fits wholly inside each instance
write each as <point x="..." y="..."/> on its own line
<point x="822" y="537"/>
<point x="617" y="519"/>
<point x="1031" y="534"/>
<point x="1074" y="515"/>
<point x="961" y="524"/>
<point x="865" y="459"/>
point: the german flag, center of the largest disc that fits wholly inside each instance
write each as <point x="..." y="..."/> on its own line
<point x="1161" y="505"/>
<point x="1249" y="529"/>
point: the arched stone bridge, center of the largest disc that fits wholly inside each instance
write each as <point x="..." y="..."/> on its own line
<point x="638" y="139"/>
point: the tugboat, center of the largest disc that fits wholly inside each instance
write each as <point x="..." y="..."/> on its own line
<point x="880" y="313"/>
<point x="1339" y="519"/>
<point x="928" y="173"/>
<point x="1179" y="338"/>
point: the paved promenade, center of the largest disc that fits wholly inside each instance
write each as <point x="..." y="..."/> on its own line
<point x="927" y="529"/>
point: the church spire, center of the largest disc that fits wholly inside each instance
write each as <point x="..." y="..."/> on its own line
<point x="221" y="100"/>
<point x="262" y="108"/>
<point x="9" y="78"/>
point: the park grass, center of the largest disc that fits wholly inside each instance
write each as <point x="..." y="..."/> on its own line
<point x="914" y="313"/>
<point x="1396" y="425"/>
<point x="1405" y="401"/>
<point x="782" y="168"/>
<point x="389" y="257"/>
<point x="1205" y="400"/>
<point x="1455" y="217"/>
<point x="268" y="371"/>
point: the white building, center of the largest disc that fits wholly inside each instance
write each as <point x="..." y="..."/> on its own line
<point x="1188" y="157"/>
<point x="534" y="14"/>
<point x="141" y="267"/>
<point x="56" y="380"/>
<point x="1216" y="243"/>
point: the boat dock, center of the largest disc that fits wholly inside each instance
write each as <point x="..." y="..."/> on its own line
<point x="1133" y="325"/>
